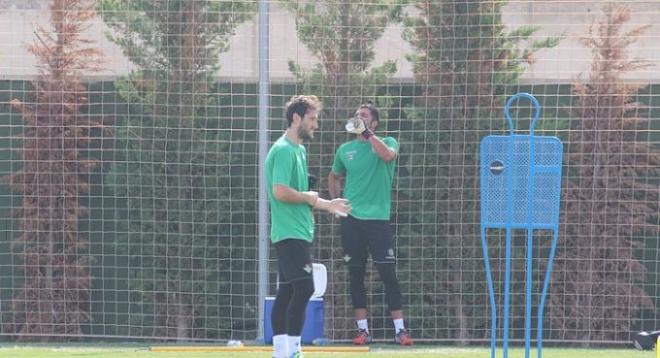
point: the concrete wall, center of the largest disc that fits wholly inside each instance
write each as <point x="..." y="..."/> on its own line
<point x="20" y="18"/>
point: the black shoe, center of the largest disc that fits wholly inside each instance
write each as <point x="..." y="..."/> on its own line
<point x="644" y="341"/>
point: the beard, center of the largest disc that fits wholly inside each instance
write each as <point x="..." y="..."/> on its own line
<point x="304" y="134"/>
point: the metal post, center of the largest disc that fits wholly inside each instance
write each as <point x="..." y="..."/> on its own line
<point x="264" y="104"/>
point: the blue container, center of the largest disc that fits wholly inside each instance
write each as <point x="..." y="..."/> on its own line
<point x="314" y="320"/>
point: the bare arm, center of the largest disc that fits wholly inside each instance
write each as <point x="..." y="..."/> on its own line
<point x="292" y="196"/>
<point x="382" y="150"/>
<point x="334" y="185"/>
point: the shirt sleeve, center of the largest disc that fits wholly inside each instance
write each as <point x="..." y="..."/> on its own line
<point x="338" y="165"/>
<point x="392" y="144"/>
<point x="282" y="168"/>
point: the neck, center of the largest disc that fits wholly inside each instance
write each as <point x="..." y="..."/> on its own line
<point x="292" y="135"/>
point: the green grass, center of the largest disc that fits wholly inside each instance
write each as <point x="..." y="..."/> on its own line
<point x="26" y="351"/>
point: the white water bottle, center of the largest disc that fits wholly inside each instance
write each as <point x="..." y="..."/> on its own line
<point x="234" y="343"/>
<point x="321" y="341"/>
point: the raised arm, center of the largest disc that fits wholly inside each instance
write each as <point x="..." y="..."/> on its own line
<point x="382" y="150"/>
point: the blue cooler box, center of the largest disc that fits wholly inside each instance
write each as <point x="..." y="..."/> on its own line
<point x="314" y="320"/>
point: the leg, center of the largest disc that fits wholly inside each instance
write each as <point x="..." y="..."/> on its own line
<point x="280" y="307"/>
<point x="278" y="317"/>
<point x="393" y="297"/>
<point x="358" y="291"/>
<point x="355" y="256"/>
<point x="359" y="298"/>
<point x="302" y="291"/>
<point x="387" y="273"/>
<point x="379" y="235"/>
<point x="382" y="251"/>
<point x="397" y="314"/>
<point x="296" y="287"/>
<point x="360" y="313"/>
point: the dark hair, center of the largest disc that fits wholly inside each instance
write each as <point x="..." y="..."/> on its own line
<point x="300" y="105"/>
<point x="372" y="108"/>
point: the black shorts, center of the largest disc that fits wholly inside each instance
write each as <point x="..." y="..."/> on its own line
<point x="360" y="237"/>
<point x="294" y="261"/>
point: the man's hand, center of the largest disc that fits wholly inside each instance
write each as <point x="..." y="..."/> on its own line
<point x="337" y="206"/>
<point x="356" y="125"/>
<point x="311" y="197"/>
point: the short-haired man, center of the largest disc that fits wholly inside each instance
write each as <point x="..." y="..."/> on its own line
<point x="292" y="223"/>
<point x="367" y="163"/>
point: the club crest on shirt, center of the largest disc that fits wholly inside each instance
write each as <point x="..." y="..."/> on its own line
<point x="307" y="268"/>
<point x="350" y="154"/>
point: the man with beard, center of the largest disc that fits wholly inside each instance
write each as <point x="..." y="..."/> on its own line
<point x="367" y="164"/>
<point x="292" y="223"/>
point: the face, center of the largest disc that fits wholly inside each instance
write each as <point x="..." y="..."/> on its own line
<point x="308" y="124"/>
<point x="365" y="114"/>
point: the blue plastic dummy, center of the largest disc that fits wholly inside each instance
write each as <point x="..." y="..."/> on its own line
<point x="520" y="189"/>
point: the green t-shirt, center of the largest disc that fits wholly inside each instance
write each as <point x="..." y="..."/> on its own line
<point x="368" y="185"/>
<point x="286" y="164"/>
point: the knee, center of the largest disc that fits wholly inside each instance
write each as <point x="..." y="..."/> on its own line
<point x="284" y="294"/>
<point x="304" y="288"/>
<point x="356" y="273"/>
<point x="387" y="272"/>
<point x="392" y="292"/>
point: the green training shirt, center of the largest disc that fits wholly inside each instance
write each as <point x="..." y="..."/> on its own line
<point x="286" y="164"/>
<point x="368" y="185"/>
